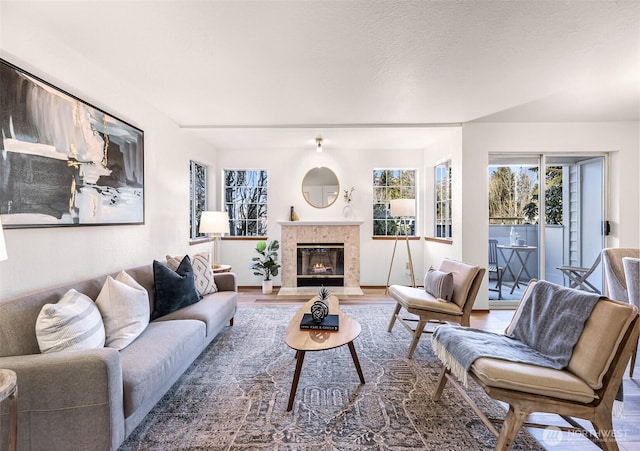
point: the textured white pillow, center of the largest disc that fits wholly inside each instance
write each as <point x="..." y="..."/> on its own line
<point x="124" y="305"/>
<point x="205" y="284"/>
<point x="73" y="323"/>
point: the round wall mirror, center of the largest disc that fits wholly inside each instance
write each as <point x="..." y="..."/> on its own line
<point x="320" y="187"/>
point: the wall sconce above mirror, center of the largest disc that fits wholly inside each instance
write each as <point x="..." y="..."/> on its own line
<point x="320" y="187"/>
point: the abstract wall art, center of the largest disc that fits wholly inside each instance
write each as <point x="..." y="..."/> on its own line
<point x="64" y="162"/>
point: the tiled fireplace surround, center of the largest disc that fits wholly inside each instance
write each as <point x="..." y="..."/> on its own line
<point x="294" y="232"/>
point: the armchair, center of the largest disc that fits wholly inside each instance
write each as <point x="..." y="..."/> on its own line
<point x="586" y="388"/>
<point x="428" y="308"/>
<point x="616" y="282"/>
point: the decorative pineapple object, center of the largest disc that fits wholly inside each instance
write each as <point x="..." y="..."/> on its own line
<point x="320" y="307"/>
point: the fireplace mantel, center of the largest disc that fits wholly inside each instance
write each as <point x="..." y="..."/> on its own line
<point x="330" y="231"/>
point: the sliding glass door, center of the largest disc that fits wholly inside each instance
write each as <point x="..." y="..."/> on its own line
<point x="543" y="220"/>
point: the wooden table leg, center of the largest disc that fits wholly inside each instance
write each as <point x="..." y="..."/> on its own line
<point x="13" y="421"/>
<point x="296" y="378"/>
<point x="356" y="361"/>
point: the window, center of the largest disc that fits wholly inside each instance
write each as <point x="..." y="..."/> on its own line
<point x="389" y="184"/>
<point x="442" y="200"/>
<point x="245" y="199"/>
<point x="197" y="197"/>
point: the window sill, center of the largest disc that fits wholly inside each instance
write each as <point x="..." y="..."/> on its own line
<point x="199" y="240"/>
<point x="439" y="240"/>
<point x="393" y="237"/>
<point x="244" y="238"/>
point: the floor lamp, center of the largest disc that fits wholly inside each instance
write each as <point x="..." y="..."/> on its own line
<point x="216" y="223"/>
<point x="402" y="208"/>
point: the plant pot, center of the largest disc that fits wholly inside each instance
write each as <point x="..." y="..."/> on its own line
<point x="267" y="286"/>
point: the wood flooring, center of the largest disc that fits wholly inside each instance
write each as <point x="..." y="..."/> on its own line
<point x="627" y="429"/>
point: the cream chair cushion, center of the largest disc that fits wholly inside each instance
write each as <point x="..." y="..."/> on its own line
<point x="417" y="298"/>
<point x="463" y="275"/>
<point x="532" y="379"/>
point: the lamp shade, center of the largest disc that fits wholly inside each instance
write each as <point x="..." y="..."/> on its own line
<point x="216" y="222"/>
<point x="3" y="248"/>
<point x="402" y="207"/>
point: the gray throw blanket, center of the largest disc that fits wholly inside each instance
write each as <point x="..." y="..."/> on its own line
<point x="550" y="324"/>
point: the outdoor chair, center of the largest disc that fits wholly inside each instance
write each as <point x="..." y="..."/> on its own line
<point x="493" y="267"/>
<point x="434" y="307"/>
<point x="578" y="275"/>
<point x="586" y="388"/>
<point x="616" y="286"/>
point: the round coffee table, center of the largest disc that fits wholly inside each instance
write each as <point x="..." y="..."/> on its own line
<point x="9" y="390"/>
<point x="320" y="340"/>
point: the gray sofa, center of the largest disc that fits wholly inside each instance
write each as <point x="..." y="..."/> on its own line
<point x="92" y="400"/>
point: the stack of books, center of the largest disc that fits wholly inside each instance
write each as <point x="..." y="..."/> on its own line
<point x="329" y="322"/>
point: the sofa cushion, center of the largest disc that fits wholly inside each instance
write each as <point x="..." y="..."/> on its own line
<point x="157" y="358"/>
<point x="73" y="323"/>
<point x="173" y="289"/>
<point x="205" y="283"/>
<point x="439" y="284"/>
<point x="124" y="306"/>
<point x="463" y="275"/>
<point x="532" y="379"/>
<point x="215" y="310"/>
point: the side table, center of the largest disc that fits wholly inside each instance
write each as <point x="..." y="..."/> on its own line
<point x="9" y="390"/>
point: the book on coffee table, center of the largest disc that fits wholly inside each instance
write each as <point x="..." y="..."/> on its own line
<point x="330" y="322"/>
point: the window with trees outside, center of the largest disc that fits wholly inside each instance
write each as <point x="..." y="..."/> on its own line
<point x="197" y="197"/>
<point x="442" y="201"/>
<point x="245" y="199"/>
<point x="389" y="184"/>
<point x="513" y="194"/>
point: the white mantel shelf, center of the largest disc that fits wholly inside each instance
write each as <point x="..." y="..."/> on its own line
<point x="320" y="223"/>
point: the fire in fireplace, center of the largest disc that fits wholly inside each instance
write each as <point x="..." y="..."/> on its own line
<point x="320" y="264"/>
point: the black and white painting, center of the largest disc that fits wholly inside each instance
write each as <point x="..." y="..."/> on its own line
<point x="64" y="162"/>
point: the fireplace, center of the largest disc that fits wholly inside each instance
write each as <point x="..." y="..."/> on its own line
<point x="341" y="233"/>
<point x="320" y="264"/>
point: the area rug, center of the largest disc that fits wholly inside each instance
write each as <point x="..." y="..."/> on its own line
<point x="234" y="396"/>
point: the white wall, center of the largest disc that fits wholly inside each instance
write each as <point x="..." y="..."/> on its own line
<point x="619" y="139"/>
<point x="354" y="168"/>
<point x="43" y="257"/>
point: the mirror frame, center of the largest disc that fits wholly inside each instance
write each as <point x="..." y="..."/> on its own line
<point x="304" y="194"/>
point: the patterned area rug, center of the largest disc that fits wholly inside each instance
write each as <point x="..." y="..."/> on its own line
<point x="234" y="396"/>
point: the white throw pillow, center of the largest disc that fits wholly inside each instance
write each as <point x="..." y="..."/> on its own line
<point x="73" y="323"/>
<point x="124" y="305"/>
<point x="205" y="284"/>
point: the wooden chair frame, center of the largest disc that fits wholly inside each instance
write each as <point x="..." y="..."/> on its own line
<point x="521" y="404"/>
<point x="426" y="316"/>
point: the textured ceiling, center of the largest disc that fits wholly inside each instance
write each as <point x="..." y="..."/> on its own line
<point x="360" y="73"/>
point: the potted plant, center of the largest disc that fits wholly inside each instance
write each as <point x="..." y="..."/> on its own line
<point x="266" y="265"/>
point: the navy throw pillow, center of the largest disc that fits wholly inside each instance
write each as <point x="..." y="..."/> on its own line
<point x="174" y="289"/>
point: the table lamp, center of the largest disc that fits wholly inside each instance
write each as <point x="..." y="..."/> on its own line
<point x="3" y="247"/>
<point x="403" y="209"/>
<point x="216" y="223"/>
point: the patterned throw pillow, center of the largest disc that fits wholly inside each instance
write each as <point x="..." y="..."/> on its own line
<point x="73" y="323"/>
<point x="439" y="284"/>
<point x="124" y="306"/>
<point x="205" y="283"/>
<point x="173" y="289"/>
